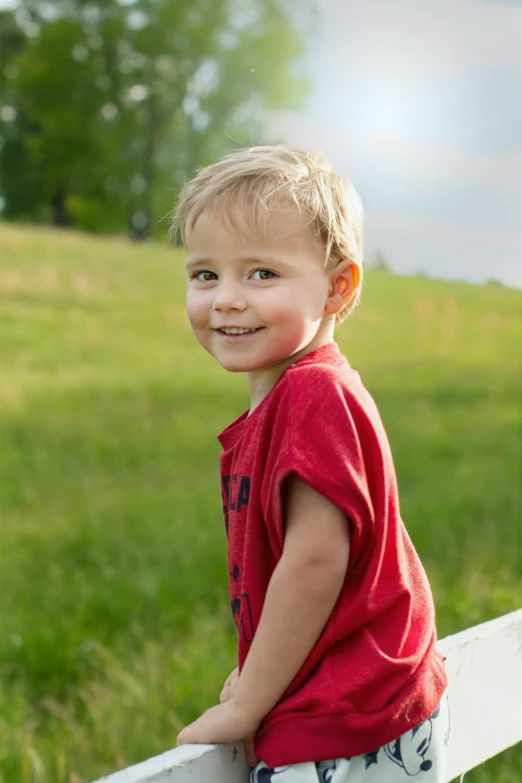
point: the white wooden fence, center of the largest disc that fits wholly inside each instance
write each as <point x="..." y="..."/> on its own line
<point x="484" y="666"/>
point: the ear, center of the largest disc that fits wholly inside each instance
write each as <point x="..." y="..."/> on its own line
<point x="344" y="281"/>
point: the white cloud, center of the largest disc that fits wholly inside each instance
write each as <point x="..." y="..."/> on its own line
<point x="403" y="161"/>
<point x="419" y="104"/>
<point x="439" y="69"/>
<point x="416" y="41"/>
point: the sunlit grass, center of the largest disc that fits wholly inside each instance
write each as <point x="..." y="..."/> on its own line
<point x="114" y="611"/>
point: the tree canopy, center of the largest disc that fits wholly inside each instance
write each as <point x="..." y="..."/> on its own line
<point x="106" y="106"/>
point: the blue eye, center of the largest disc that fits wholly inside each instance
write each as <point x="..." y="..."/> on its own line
<point x="266" y="274"/>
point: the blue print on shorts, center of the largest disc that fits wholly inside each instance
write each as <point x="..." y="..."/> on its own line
<point x="328" y="773"/>
<point x="266" y="775"/>
<point x="370" y="758"/>
<point x="409" y="751"/>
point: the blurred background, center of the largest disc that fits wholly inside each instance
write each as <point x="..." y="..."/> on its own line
<point x="114" y="615"/>
<point x="106" y="107"/>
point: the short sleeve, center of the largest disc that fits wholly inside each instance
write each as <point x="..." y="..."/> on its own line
<point x="318" y="432"/>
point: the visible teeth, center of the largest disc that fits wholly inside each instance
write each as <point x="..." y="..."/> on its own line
<point x="237" y="331"/>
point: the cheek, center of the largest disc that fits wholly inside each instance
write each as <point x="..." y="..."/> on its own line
<point x="300" y="302"/>
<point x="197" y="309"/>
<point x="317" y="296"/>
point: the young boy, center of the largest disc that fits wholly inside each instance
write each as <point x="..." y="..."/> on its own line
<point x="338" y="677"/>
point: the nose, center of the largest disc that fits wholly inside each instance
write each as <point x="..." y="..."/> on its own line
<point x="229" y="295"/>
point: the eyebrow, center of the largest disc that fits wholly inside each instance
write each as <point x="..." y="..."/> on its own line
<point x="246" y="260"/>
<point x="198" y="261"/>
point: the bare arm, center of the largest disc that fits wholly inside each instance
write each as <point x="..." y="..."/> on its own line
<point x="301" y="595"/>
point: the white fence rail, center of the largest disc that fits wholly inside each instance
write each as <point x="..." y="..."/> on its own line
<point x="485" y="686"/>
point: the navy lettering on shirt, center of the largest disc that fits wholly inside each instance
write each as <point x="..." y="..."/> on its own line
<point x="241" y="610"/>
<point x="235" y="494"/>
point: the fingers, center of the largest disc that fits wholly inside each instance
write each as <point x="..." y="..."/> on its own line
<point x="230" y="686"/>
<point x="250" y="754"/>
<point x="225" y="693"/>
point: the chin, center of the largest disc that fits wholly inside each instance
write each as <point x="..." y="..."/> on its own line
<point x="237" y="365"/>
<point x="242" y="362"/>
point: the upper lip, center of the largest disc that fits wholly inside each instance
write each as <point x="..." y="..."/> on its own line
<point x="233" y="326"/>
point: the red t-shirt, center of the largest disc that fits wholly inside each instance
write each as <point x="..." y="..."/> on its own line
<point x="374" y="672"/>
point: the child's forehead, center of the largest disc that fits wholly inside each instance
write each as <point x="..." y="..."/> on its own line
<point x="279" y="222"/>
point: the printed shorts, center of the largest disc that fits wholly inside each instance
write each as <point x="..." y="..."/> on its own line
<point x="420" y="754"/>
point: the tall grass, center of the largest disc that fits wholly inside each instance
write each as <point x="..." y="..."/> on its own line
<point x="113" y="610"/>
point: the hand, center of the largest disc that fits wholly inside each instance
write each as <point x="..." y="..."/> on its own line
<point x="227" y="693"/>
<point x="230" y="686"/>
<point x="222" y="723"/>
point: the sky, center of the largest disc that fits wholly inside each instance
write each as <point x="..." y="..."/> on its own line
<point x="420" y="105"/>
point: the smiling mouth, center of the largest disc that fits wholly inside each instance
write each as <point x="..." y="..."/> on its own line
<point x="238" y="331"/>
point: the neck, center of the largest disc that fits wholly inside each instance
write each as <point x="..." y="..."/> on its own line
<point x="262" y="381"/>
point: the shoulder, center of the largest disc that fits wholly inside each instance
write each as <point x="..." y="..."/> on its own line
<point x="329" y="403"/>
<point x="322" y="385"/>
<point x="319" y="399"/>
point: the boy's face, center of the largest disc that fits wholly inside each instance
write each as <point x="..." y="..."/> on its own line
<point x="275" y="284"/>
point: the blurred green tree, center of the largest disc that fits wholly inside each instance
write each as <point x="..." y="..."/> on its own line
<point x="106" y="106"/>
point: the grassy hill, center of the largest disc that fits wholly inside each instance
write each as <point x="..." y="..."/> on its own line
<point x="113" y="609"/>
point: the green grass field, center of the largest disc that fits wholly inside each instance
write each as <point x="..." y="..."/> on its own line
<point x="114" y="616"/>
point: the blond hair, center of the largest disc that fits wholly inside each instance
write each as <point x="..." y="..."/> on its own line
<point x="264" y="177"/>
